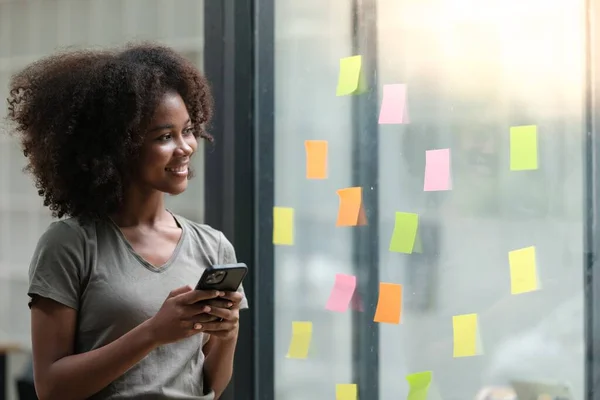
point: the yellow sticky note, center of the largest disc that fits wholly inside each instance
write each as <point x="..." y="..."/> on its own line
<point x="419" y="383"/>
<point x="346" y="391"/>
<point x="523" y="271"/>
<point x="405" y="233"/>
<point x="351" y="78"/>
<point x="523" y="148"/>
<point x="283" y="225"/>
<point x="466" y="337"/>
<point x="301" y="337"/>
<point x="316" y="159"/>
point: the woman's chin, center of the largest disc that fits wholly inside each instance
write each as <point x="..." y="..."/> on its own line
<point x="175" y="190"/>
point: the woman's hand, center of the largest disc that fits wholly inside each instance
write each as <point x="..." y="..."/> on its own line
<point x="227" y="308"/>
<point x="180" y="316"/>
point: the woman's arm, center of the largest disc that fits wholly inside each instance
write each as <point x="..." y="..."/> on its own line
<point x="61" y="375"/>
<point x="218" y="362"/>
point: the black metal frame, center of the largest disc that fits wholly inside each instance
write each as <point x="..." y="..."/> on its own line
<point x="365" y="332"/>
<point x="230" y="183"/>
<point x="264" y="362"/>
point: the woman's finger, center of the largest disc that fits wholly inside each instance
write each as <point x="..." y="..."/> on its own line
<point x="224" y="313"/>
<point x="204" y="318"/>
<point x="219" y="303"/>
<point x="217" y="326"/>
<point x="235" y="297"/>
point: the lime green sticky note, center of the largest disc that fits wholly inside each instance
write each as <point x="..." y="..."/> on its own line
<point x="523" y="148"/>
<point x="419" y="385"/>
<point x="523" y="271"/>
<point x="405" y="233"/>
<point x="351" y="79"/>
<point x="346" y="391"/>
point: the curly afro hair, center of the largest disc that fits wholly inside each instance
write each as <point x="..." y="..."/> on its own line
<point x="81" y="117"/>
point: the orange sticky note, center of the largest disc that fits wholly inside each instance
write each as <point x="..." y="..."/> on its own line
<point x="389" y="305"/>
<point x="351" y="211"/>
<point x="316" y="159"/>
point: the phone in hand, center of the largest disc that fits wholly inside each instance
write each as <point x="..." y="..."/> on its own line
<point x="224" y="278"/>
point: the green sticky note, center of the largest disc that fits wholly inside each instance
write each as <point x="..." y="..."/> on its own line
<point x="419" y="385"/>
<point x="405" y="233"/>
<point x="351" y="79"/>
<point x="523" y="148"/>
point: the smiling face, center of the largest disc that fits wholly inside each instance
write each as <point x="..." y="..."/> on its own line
<point x="168" y="146"/>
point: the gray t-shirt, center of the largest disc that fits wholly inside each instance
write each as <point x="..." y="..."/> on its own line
<point x="93" y="269"/>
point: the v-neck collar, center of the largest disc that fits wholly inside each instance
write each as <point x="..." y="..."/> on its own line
<point x="141" y="259"/>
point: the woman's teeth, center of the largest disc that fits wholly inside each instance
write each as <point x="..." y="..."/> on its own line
<point x="178" y="169"/>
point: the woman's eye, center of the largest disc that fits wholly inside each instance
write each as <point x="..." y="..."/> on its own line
<point x="164" y="137"/>
<point x="188" y="131"/>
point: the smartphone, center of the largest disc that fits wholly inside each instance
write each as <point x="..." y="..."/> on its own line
<point x="224" y="278"/>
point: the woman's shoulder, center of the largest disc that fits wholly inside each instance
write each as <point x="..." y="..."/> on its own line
<point x="69" y="229"/>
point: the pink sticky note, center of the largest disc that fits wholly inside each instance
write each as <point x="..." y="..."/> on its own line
<point x="393" y="105"/>
<point x="437" y="170"/>
<point x="342" y="292"/>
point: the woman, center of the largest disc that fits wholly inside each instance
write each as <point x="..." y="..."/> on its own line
<point x="113" y="312"/>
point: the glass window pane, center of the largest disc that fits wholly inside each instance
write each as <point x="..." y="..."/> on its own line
<point x="310" y="37"/>
<point x="472" y="71"/>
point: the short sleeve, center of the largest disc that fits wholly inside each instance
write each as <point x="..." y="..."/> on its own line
<point x="56" y="264"/>
<point x="227" y="253"/>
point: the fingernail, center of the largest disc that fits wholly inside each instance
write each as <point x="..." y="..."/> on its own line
<point x="206" y="309"/>
<point x="229" y="304"/>
<point x="197" y="327"/>
<point x="221" y="294"/>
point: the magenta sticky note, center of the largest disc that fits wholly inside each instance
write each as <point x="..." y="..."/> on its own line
<point x="437" y="170"/>
<point x="394" y="109"/>
<point x="342" y="292"/>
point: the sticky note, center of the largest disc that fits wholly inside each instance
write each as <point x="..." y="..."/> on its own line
<point x="351" y="78"/>
<point x="389" y="305"/>
<point x="342" y="292"/>
<point x="523" y="270"/>
<point x="283" y="225"/>
<point x="394" y="109"/>
<point x="351" y="211"/>
<point x="405" y="232"/>
<point x="419" y="383"/>
<point x="466" y="337"/>
<point x="523" y="148"/>
<point x="437" y="170"/>
<point x="301" y="337"/>
<point x="346" y="391"/>
<point x="316" y="159"/>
